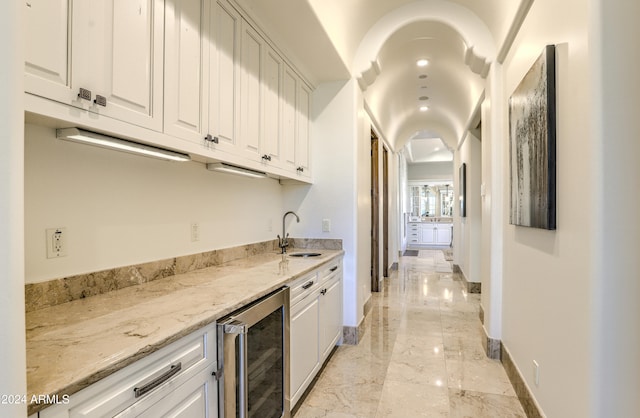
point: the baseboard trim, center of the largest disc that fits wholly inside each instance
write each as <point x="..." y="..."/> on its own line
<point x="353" y="335"/>
<point x="472" y="287"/>
<point x="492" y="347"/>
<point x="525" y="396"/>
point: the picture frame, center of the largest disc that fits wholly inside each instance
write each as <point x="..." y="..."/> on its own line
<point x="462" y="181"/>
<point x="532" y="145"/>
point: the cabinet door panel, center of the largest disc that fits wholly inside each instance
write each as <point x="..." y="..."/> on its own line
<point x="251" y="91"/>
<point x="303" y="149"/>
<point x="185" y="49"/>
<point x="428" y="235"/>
<point x="304" y="346"/>
<point x="47" y="49"/>
<point x="289" y="91"/>
<point x="444" y="234"/>
<point x="272" y="92"/>
<point x="331" y="320"/>
<point x="118" y="50"/>
<point x="224" y="96"/>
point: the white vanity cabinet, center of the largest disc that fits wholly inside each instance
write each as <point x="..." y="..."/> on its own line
<point x="429" y="233"/>
<point x="175" y="381"/>
<point x="103" y="56"/>
<point x="316" y="324"/>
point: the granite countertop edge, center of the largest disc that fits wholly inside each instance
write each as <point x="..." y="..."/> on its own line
<point x="68" y="345"/>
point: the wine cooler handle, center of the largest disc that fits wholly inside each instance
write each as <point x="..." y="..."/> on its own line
<point x="243" y="384"/>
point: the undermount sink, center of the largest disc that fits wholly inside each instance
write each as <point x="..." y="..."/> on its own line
<point x="304" y="254"/>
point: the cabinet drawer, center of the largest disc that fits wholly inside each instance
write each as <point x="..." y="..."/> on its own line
<point x="126" y="387"/>
<point x="302" y="287"/>
<point x="330" y="271"/>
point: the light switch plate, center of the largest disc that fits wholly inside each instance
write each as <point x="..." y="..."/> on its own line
<point x="326" y="225"/>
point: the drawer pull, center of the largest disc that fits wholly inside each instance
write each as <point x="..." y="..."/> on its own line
<point x="307" y="285"/>
<point x="155" y="382"/>
<point x="323" y="291"/>
<point x="333" y="268"/>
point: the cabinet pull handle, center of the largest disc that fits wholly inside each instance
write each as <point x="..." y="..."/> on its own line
<point x="155" y="382"/>
<point x="300" y="169"/>
<point x="266" y="157"/>
<point x="84" y="94"/>
<point x="307" y="285"/>
<point x="100" y="100"/>
<point x="333" y="268"/>
<point x="210" y="138"/>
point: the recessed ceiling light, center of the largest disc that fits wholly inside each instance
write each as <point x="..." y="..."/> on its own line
<point x="422" y="62"/>
<point x="436" y="149"/>
<point x="424" y="108"/>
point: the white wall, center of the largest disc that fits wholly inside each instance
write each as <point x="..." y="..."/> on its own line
<point x="547" y="311"/>
<point x="470" y="227"/>
<point x="339" y="167"/>
<point x="615" y="58"/>
<point x="122" y="209"/>
<point x="492" y="234"/>
<point x="442" y="170"/>
<point x="12" y="327"/>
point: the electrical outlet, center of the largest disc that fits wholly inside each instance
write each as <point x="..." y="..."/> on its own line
<point x="56" y="242"/>
<point x="326" y="225"/>
<point x="536" y="373"/>
<point x="195" y="232"/>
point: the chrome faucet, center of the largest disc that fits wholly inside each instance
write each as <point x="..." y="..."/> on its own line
<point x="283" y="242"/>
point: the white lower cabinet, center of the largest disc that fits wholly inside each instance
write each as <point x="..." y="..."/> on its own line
<point x="316" y="324"/>
<point x="175" y="381"/>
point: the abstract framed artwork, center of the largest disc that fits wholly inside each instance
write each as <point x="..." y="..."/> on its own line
<point x="532" y="145"/>
<point x="462" y="178"/>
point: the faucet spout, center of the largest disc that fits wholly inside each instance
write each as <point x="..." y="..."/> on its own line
<point x="283" y="242"/>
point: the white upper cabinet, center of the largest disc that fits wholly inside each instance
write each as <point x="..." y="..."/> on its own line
<point x="289" y="104"/>
<point x="47" y="52"/>
<point x="111" y="49"/>
<point x="251" y="80"/>
<point x="224" y="67"/>
<point x="303" y="145"/>
<point x="186" y="75"/>
<point x="272" y="133"/>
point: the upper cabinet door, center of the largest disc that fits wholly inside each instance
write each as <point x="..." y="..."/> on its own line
<point x="118" y="54"/>
<point x="303" y="145"/>
<point x="289" y="99"/>
<point x="48" y="49"/>
<point x="224" y="67"/>
<point x="272" y="92"/>
<point x="112" y="49"/>
<point x="251" y="79"/>
<point x="186" y="53"/>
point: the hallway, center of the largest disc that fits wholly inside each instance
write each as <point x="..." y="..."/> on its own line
<point x="421" y="355"/>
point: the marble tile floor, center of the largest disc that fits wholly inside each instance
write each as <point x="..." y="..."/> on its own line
<point x="421" y="355"/>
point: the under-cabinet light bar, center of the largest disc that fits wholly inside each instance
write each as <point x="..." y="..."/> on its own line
<point x="104" y="141"/>
<point x="232" y="169"/>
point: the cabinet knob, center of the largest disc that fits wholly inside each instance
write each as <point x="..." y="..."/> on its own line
<point x="323" y="291"/>
<point x="266" y="157"/>
<point x="300" y="169"/>
<point x="84" y="94"/>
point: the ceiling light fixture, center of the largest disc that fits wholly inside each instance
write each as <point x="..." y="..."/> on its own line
<point x="424" y="108"/>
<point x="232" y="169"/>
<point x="105" y="141"/>
<point x="422" y="62"/>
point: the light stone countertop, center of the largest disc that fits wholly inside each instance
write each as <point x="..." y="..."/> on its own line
<point x="72" y="345"/>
